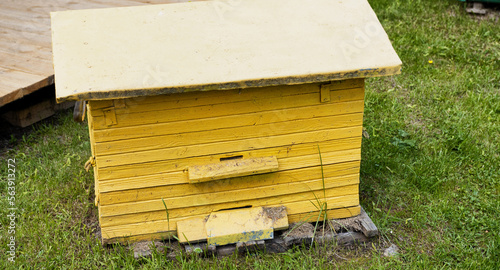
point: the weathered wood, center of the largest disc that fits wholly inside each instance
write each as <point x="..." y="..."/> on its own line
<point x="295" y="201"/>
<point x="226" y="146"/>
<point x="367" y="226"/>
<point x="302" y="235"/>
<point x="153" y="230"/>
<point x="190" y="99"/>
<point x="160" y="171"/>
<point x="229" y="121"/>
<point x="127" y="117"/>
<point x="25" y="116"/>
<point x="228" y="134"/>
<point x="233" y="226"/>
<point x="231" y="168"/>
<point x="298" y="173"/>
<point x="229" y="196"/>
<point x="26" y="45"/>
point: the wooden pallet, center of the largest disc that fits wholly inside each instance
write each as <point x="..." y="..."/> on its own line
<point x="347" y="232"/>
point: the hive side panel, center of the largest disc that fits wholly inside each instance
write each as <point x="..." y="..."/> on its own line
<point x="144" y="146"/>
<point x="156" y="230"/>
<point x="90" y="120"/>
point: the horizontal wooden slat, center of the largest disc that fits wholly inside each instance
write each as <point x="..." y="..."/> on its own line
<point x="160" y="235"/>
<point x="227" y="196"/>
<point x="231" y="168"/>
<point x="226" y="146"/>
<point x="343" y="159"/>
<point x="265" y="180"/>
<point x="302" y="209"/>
<point x="191" y="99"/>
<point x="306" y="195"/>
<point x="239" y="120"/>
<point x="126" y="116"/>
<point x="159" y="172"/>
<point x="228" y="134"/>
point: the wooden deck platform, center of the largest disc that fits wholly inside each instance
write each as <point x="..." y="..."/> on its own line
<point x="25" y="41"/>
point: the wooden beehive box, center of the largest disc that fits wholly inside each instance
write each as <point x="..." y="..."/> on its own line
<point x="206" y="106"/>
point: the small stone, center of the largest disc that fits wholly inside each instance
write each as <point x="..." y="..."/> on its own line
<point x="391" y="251"/>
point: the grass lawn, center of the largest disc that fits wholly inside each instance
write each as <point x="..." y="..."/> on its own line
<point x="430" y="173"/>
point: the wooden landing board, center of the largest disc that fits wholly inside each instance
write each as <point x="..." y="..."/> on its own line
<point x="152" y="50"/>
<point x="232" y="226"/>
<point x="231" y="168"/>
<point x="25" y="41"/>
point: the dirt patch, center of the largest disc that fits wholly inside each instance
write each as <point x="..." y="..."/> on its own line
<point x="275" y="213"/>
<point x="346" y="224"/>
<point x="302" y="231"/>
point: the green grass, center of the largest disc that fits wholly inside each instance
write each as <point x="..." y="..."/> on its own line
<point x="430" y="173"/>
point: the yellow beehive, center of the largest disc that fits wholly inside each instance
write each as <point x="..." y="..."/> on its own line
<point x="208" y="106"/>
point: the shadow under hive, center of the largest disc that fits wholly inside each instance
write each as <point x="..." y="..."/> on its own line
<point x="201" y="109"/>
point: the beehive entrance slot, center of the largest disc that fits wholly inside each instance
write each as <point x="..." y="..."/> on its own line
<point x="231" y="158"/>
<point x="234" y="208"/>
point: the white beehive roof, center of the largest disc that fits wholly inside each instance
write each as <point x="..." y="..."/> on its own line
<point x="215" y="45"/>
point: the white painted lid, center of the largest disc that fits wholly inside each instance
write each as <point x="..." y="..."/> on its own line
<point x="215" y="45"/>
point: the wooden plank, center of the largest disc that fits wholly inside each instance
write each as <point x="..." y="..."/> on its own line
<point x="367" y="226"/>
<point x="25" y="63"/>
<point x="226" y="146"/>
<point x="287" y="199"/>
<point x="160" y="172"/>
<point x="157" y="192"/>
<point x="229" y="134"/>
<point x="108" y="238"/>
<point x="232" y="226"/>
<point x="238" y="120"/>
<point x="32" y="83"/>
<point x="229" y="227"/>
<point x="190" y="99"/>
<point x="339" y="183"/>
<point x="159" y="235"/>
<point x="190" y="58"/>
<point x="192" y="230"/>
<point x="24" y="46"/>
<point x="231" y="168"/>
<point x="126" y="117"/>
<point x="32" y="114"/>
<point x="308" y="212"/>
<point x="342" y="160"/>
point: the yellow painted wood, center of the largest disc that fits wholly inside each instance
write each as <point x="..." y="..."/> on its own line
<point x="110" y="236"/>
<point x="160" y="172"/>
<point x="229" y="121"/>
<point x="229" y="134"/>
<point x="308" y="212"/>
<point x="229" y="227"/>
<point x="342" y="41"/>
<point x="110" y="117"/>
<point x="297" y="174"/>
<point x="192" y="230"/>
<point x="339" y="183"/>
<point x="232" y="226"/>
<point x="191" y="99"/>
<point x="288" y="200"/>
<point x="126" y="117"/>
<point x="325" y="94"/>
<point x="227" y="146"/>
<point x="231" y="168"/>
<point x="341" y="159"/>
